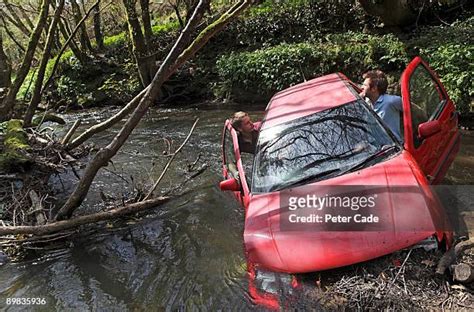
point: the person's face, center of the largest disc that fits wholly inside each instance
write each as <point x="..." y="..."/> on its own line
<point x="367" y="91"/>
<point x="246" y="126"/>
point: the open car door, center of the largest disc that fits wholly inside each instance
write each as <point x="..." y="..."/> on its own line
<point x="430" y="120"/>
<point x="232" y="165"/>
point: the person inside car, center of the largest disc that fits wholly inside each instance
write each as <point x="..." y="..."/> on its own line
<point x="388" y="107"/>
<point x="247" y="131"/>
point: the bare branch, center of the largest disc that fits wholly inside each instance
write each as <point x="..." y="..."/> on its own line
<point x="171" y="160"/>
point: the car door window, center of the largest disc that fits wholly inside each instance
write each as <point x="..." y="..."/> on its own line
<point x="426" y="100"/>
<point x="229" y="157"/>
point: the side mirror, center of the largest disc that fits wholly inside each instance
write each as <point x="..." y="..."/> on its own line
<point x="231" y="184"/>
<point x="429" y="128"/>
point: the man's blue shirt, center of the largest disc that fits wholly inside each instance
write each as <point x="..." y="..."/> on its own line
<point x="389" y="107"/>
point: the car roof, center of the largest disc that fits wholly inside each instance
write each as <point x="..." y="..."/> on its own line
<point x="308" y="98"/>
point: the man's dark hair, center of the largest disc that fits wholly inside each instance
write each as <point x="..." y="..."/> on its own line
<point x="377" y="79"/>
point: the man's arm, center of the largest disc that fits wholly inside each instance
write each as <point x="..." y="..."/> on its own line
<point x="398" y="104"/>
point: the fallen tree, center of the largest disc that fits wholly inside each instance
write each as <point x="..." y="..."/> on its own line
<point x="178" y="55"/>
<point x="34" y="213"/>
<point x="82" y="220"/>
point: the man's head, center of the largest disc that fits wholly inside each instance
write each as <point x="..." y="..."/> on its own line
<point x="241" y="122"/>
<point x="375" y="84"/>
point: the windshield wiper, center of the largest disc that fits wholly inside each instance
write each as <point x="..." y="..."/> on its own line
<point x="383" y="151"/>
<point x="312" y="178"/>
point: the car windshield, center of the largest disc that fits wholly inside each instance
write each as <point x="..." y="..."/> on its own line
<point x="320" y="146"/>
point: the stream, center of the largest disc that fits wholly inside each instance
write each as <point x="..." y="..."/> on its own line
<point x="185" y="255"/>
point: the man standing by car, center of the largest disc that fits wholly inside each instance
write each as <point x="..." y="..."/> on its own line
<point x="388" y="107"/>
<point x="247" y="130"/>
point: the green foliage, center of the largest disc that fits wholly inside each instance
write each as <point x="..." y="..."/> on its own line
<point x="272" y="69"/>
<point x="450" y="51"/>
<point x="27" y="87"/>
<point x="102" y="81"/>
<point x="269" y="6"/>
<point x="292" y="21"/>
<point x="453" y="63"/>
<point x="275" y="44"/>
<point x="165" y="28"/>
<point x="67" y="89"/>
<point x="115" y="40"/>
<point x="120" y="39"/>
<point x="120" y="88"/>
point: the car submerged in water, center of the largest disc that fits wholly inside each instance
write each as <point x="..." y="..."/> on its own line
<point x="331" y="185"/>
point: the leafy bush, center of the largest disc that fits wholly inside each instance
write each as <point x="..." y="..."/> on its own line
<point x="450" y="50"/>
<point x="292" y="21"/>
<point x="272" y="69"/>
<point x="27" y="87"/>
<point x="68" y="89"/>
<point x="165" y="28"/>
<point x="115" y="40"/>
<point x="120" y="39"/>
<point x="80" y="84"/>
<point x="120" y="88"/>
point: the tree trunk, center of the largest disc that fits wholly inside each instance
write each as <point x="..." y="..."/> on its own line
<point x="10" y="34"/>
<point x="99" y="38"/>
<point x="26" y="18"/>
<point x="9" y="101"/>
<point x="74" y="48"/>
<point x="68" y="41"/>
<point x="211" y="30"/>
<point x="56" y="40"/>
<point x="190" y="5"/>
<point x="84" y="37"/>
<point x="178" y="15"/>
<point x="144" y="63"/>
<point x="15" y="19"/>
<point x="92" y="218"/>
<point x="36" y="98"/>
<point x="5" y="68"/>
<point x="166" y="69"/>
<point x="151" y="57"/>
<point x="144" y="4"/>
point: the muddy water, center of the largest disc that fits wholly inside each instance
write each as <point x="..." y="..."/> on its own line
<point x="186" y="255"/>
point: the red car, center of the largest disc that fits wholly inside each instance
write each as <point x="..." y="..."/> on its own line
<point x="321" y="143"/>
